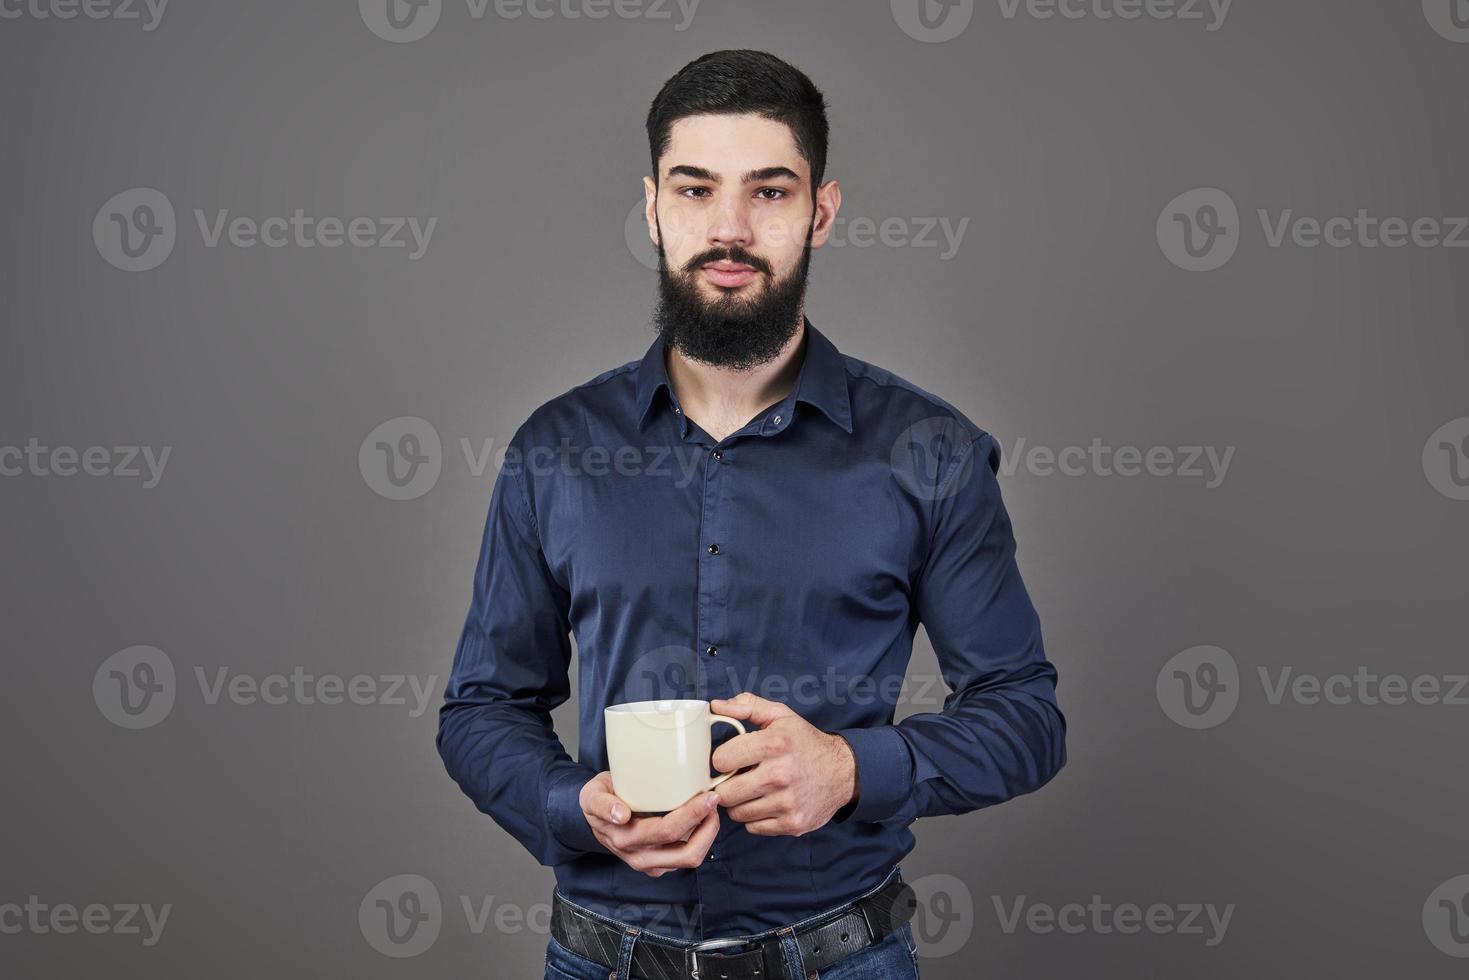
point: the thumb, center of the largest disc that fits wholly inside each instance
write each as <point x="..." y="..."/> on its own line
<point x="599" y="798"/>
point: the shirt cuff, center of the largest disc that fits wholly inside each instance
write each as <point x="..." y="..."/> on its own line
<point x="564" y="814"/>
<point x="884" y="773"/>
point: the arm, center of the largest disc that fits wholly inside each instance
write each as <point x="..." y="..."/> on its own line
<point x="510" y="670"/>
<point x="1000" y="733"/>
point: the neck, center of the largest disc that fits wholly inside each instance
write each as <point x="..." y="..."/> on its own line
<point x="729" y="398"/>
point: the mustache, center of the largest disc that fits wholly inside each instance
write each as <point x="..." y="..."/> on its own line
<point x="731" y="254"/>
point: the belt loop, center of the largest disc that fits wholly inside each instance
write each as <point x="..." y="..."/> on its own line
<point x="624" y="955"/>
<point x="795" y="963"/>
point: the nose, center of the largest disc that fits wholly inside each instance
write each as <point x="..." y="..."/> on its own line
<point x="730" y="224"/>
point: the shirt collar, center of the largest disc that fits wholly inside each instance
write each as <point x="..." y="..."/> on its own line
<point x="821" y="381"/>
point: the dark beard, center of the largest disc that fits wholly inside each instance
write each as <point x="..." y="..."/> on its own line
<point x="727" y="331"/>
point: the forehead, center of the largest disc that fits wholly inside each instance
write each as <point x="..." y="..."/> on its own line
<point x="729" y="144"/>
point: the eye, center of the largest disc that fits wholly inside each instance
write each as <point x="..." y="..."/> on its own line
<point x="778" y="191"/>
<point x="688" y="191"/>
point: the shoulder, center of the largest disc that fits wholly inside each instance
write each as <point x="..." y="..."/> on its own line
<point x="567" y="415"/>
<point x="892" y="402"/>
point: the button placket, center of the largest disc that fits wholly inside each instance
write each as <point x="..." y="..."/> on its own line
<point x="713" y="570"/>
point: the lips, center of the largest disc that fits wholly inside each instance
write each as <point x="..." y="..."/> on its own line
<point x="729" y="274"/>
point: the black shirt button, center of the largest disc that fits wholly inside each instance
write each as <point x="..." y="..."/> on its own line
<point x="714" y="549"/>
<point x="718" y="454"/>
<point x="712" y="651"/>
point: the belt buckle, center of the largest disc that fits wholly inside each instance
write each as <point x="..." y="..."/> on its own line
<point x="698" y="948"/>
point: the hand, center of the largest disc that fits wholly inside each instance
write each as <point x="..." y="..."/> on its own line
<point x="652" y="845"/>
<point x="801" y="775"/>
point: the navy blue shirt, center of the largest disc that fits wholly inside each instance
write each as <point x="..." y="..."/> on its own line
<point x="795" y="559"/>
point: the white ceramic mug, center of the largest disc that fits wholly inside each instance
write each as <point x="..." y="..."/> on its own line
<point x="659" y="752"/>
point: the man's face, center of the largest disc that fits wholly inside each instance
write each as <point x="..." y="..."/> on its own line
<point x="734" y="221"/>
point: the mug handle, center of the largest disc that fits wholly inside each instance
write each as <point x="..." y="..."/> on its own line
<point x="714" y="720"/>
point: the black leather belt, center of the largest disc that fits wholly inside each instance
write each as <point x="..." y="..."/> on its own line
<point x="847" y="930"/>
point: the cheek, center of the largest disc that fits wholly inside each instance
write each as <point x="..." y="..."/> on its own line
<point x="683" y="229"/>
<point x="782" y="240"/>
<point x="780" y="236"/>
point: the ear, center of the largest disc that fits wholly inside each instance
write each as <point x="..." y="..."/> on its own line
<point x="650" y="208"/>
<point x="828" y="203"/>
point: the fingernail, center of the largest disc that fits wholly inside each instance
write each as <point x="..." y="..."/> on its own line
<point x="618" y="813"/>
<point x="712" y="800"/>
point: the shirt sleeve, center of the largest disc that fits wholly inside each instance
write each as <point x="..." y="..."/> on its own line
<point x="511" y="667"/>
<point x="1000" y="733"/>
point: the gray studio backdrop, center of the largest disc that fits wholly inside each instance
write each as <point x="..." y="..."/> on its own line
<point x="1200" y="268"/>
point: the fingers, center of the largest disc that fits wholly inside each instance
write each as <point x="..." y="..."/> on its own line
<point x="769" y="828"/>
<point x="750" y="707"/>
<point x="658" y="861"/>
<point x="761" y="808"/>
<point x="749" y="749"/>
<point x="598" y="800"/>
<point x="744" y="787"/>
<point x="644" y="832"/>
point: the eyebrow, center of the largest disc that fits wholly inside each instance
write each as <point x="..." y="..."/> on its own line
<point x="751" y="177"/>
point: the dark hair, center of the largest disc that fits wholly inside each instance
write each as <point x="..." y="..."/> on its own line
<point x="743" y="81"/>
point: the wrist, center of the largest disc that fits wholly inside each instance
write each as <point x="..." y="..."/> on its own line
<point x="847" y="770"/>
